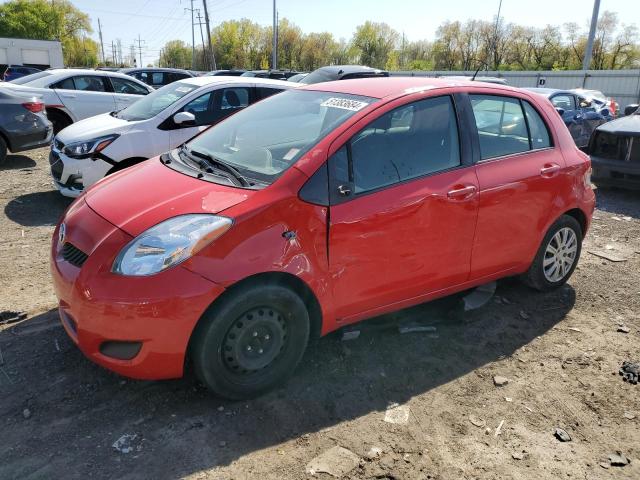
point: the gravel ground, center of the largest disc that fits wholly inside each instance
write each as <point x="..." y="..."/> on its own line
<point x="60" y="415"/>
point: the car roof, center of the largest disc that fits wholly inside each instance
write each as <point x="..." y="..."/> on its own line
<point x="382" y="87"/>
<point x="346" y="69"/>
<point x="209" y="79"/>
<point x="86" y="71"/>
<point x="154" y="69"/>
<point x="547" y="92"/>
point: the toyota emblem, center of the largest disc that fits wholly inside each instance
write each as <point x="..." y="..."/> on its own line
<point x="61" y="233"/>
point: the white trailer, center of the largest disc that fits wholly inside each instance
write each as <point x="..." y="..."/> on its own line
<point x="40" y="54"/>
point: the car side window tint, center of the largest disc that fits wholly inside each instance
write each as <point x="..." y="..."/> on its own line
<point x="157" y="79"/>
<point x="66" y="84"/>
<point x="537" y="128"/>
<point x="88" y="83"/>
<point x="120" y="85"/>
<point x="502" y="129"/>
<point x="566" y="102"/>
<point x="201" y="108"/>
<point x="228" y="101"/>
<point x="408" y="142"/>
<point x="264" y="92"/>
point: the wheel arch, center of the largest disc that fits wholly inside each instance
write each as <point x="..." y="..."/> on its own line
<point x="59" y="111"/>
<point x="580" y="217"/>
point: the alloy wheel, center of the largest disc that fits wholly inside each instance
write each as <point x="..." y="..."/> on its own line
<point x="560" y="255"/>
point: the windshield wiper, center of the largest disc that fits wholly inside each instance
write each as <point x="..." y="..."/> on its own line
<point x="220" y="165"/>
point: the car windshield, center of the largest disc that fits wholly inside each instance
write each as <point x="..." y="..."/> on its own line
<point x="151" y="105"/>
<point x="264" y="140"/>
<point x="30" y="78"/>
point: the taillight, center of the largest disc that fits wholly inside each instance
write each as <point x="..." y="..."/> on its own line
<point x="34" y="107"/>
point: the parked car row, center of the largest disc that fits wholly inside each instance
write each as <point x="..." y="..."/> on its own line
<point x="90" y="149"/>
<point x="309" y="210"/>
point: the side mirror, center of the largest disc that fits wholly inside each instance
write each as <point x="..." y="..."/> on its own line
<point x="630" y="109"/>
<point x="182" y="118"/>
<point x="560" y="111"/>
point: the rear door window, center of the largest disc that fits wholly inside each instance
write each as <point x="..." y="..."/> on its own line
<point x="90" y="83"/>
<point x="264" y="92"/>
<point x="120" y="85"/>
<point x="502" y="129"/>
<point x="66" y="84"/>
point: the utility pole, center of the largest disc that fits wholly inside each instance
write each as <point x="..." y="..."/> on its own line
<point x="113" y="53"/>
<point x="104" y="60"/>
<point x="495" y="38"/>
<point x="193" y="37"/>
<point x="206" y="21"/>
<point x="140" y="50"/>
<point x="204" y="50"/>
<point x="274" y="52"/>
<point x="586" y="62"/>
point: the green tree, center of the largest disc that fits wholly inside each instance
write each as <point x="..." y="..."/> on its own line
<point x="374" y="42"/>
<point x="175" y="54"/>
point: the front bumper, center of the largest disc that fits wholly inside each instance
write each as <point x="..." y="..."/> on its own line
<point x="156" y="313"/>
<point x="615" y="173"/>
<point x="72" y="176"/>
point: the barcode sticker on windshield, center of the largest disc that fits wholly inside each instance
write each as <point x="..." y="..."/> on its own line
<point x="184" y="89"/>
<point x="344" y="103"/>
<point x="291" y="154"/>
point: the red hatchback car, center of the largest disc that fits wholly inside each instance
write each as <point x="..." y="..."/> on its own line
<point x="311" y="210"/>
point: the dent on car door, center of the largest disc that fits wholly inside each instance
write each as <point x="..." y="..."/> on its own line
<point x="519" y="173"/>
<point x="403" y="208"/>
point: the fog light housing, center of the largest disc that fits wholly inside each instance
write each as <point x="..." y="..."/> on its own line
<point x="120" y="350"/>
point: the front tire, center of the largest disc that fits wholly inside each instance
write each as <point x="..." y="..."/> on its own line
<point x="557" y="256"/>
<point x="250" y="341"/>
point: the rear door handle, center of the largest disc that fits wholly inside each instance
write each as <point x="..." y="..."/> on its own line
<point x="462" y="193"/>
<point x="67" y="95"/>
<point x="549" y="170"/>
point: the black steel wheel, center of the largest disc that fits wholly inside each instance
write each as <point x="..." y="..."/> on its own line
<point x="250" y="341"/>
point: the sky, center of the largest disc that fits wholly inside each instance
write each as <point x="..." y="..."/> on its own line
<point x="157" y="21"/>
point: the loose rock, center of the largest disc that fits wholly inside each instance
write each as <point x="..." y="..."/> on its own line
<point x="517" y="456"/>
<point x="618" y="459"/>
<point x="397" y="414"/>
<point x="562" y="435"/>
<point x="478" y="422"/>
<point x="624" y="329"/>
<point x="629" y="415"/>
<point x="373" y="453"/>
<point x="499" y="381"/>
<point x="337" y="462"/>
<point x="26" y="413"/>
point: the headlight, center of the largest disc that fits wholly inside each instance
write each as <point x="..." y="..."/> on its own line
<point x="169" y="243"/>
<point x="86" y="149"/>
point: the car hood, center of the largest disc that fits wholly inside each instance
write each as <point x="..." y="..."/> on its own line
<point x="93" y="127"/>
<point x="159" y="193"/>
<point x="628" y="126"/>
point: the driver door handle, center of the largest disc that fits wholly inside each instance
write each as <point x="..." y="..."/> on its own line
<point x="462" y="192"/>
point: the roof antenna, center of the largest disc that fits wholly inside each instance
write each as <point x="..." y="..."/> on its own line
<point x="482" y="64"/>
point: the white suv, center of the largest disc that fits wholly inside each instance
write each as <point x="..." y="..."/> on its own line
<point x="88" y="150"/>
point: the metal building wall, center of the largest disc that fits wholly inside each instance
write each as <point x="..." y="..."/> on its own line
<point x="622" y="85"/>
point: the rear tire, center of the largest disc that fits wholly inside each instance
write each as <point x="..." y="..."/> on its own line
<point x="557" y="256"/>
<point x="59" y="120"/>
<point x="250" y="341"/>
<point x="3" y="151"/>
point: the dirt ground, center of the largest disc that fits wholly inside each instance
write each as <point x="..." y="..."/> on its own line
<point x="60" y="414"/>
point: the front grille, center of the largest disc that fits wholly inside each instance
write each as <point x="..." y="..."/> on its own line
<point x="616" y="147"/>
<point x="73" y="255"/>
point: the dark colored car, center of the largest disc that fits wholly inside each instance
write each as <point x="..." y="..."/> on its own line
<point x="342" y="72"/>
<point x="229" y="73"/>
<point x="603" y="104"/>
<point x="615" y="152"/>
<point x="23" y="124"/>
<point x="578" y="113"/>
<point x="14" y="72"/>
<point x="272" y="74"/>
<point x="157" y="77"/>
